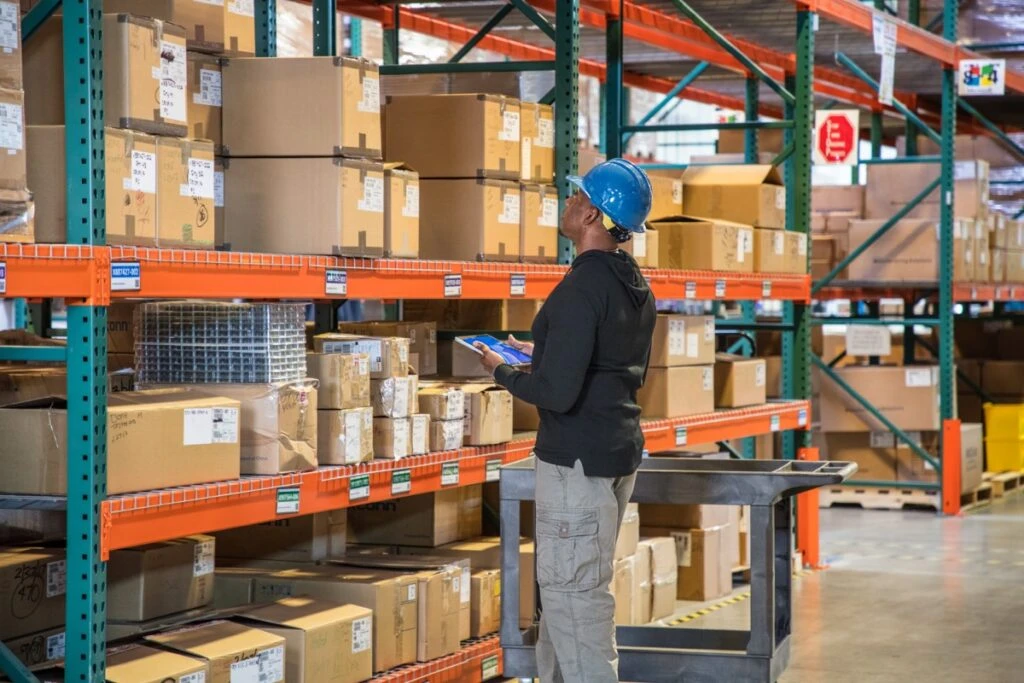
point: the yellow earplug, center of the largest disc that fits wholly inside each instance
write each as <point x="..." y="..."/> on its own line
<point x="607" y="221"/>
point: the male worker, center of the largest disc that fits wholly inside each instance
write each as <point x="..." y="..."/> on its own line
<point x="592" y="341"/>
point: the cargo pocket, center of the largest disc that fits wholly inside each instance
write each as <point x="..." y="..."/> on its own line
<point x="568" y="551"/>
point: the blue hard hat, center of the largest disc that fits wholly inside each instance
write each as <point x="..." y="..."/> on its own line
<point x="620" y="190"/>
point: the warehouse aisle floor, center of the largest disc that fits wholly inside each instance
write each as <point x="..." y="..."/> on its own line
<point x="908" y="597"/>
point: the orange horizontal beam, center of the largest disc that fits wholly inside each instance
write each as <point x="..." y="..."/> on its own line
<point x="37" y="271"/>
<point x="137" y="519"/>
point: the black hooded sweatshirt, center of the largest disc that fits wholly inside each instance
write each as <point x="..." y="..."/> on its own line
<point x="592" y="342"/>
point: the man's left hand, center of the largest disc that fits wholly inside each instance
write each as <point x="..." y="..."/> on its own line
<point x="490" y="360"/>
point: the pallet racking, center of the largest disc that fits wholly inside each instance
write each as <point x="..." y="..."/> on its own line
<point x="81" y="271"/>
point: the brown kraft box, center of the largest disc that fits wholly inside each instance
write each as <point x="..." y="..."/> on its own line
<point x="160" y="578"/>
<point x="908" y="396"/>
<point x="688" y="243"/>
<point x="239" y="27"/>
<point x="780" y="251"/>
<point x="344" y="437"/>
<point x="185" y="218"/>
<point x="538" y="241"/>
<point x="10" y="47"/>
<point x="678" y="391"/>
<point x="401" y="211"/>
<point x="537" y="142"/>
<point x="232" y="650"/>
<point x="32" y="588"/>
<point x="205" y="103"/>
<point x="739" y="381"/>
<point x="202" y="20"/>
<point x="422" y="338"/>
<point x="308" y="538"/>
<point x="344" y="379"/>
<point x="683" y="340"/>
<point x="749" y="194"/>
<point x="427" y="520"/>
<point x="469" y="220"/>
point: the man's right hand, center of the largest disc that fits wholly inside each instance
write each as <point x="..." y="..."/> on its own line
<point x="521" y="346"/>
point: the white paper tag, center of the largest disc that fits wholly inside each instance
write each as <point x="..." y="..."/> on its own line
<point x="759" y="373"/>
<point x="173" y="78"/>
<point x="125" y="276"/>
<point x="509" y="126"/>
<point x="509" y="209"/>
<point x="882" y="440"/>
<point x="55" y="647"/>
<point x="707" y="379"/>
<point x="640" y="245"/>
<point x="886" y="78"/>
<point x="10" y="26"/>
<point x="370" y="101"/>
<point x="143" y="173"/>
<point x="453" y="285"/>
<point x="362" y="630"/>
<point x="411" y="208"/>
<point x="56" y="578"/>
<point x="243" y="8"/>
<point x="411" y="592"/>
<point x="545" y="133"/>
<point x="549" y="215"/>
<point x="692" y="345"/>
<point x="676" y="337"/>
<point x="868" y="340"/>
<point x="271" y="665"/>
<point x="801" y="244"/>
<point x="200" y="179"/>
<point x="464" y="592"/>
<point x="400" y="407"/>
<point x="525" y="157"/>
<point x="677" y="192"/>
<point x="883" y="33"/>
<point x="246" y="671"/>
<point x="202" y="561"/>
<point x="218" y="189"/>
<point x="918" y="377"/>
<point x="209" y="88"/>
<point x="353" y="437"/>
<point x="778" y="243"/>
<point x="373" y="195"/>
<point x="684" y="547"/>
<point x="740" y="251"/>
<point x="400" y="443"/>
<point x="336" y="282"/>
<point x="363" y="365"/>
<point x="203" y="426"/>
<point x="419" y="435"/>
<point x="709" y="329"/>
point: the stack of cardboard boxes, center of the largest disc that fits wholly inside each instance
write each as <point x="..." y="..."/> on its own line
<point x="16" y="207"/>
<point x="680" y="379"/>
<point x="644" y="574"/>
<point x="344" y="415"/>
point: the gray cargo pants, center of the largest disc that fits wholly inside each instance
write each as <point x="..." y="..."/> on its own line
<point x="578" y="520"/>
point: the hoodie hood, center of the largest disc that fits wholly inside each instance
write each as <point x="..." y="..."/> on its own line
<point x="625" y="270"/>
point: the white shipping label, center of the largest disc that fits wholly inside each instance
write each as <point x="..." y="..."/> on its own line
<point x="707" y="379"/>
<point x="411" y="208"/>
<point x="883" y="440"/>
<point x="218" y="189"/>
<point x="464" y="590"/>
<point x="509" y="209"/>
<point x="246" y="671"/>
<point x="676" y="337"/>
<point x="143" y="173"/>
<point x="677" y="192"/>
<point x="400" y="442"/>
<point x="12" y="126"/>
<point x="373" y="195"/>
<point x="549" y="214"/>
<point x="692" y="345"/>
<point x="202" y="560"/>
<point x="10" y="26"/>
<point x="361" y="634"/>
<point x="353" y="437"/>
<point x="801" y="244"/>
<point x="401" y="397"/>
<point x="868" y="340"/>
<point x="56" y="578"/>
<point x="55" y="648"/>
<point x="979" y="230"/>
<point x="272" y="665"/>
<point x="640" y="245"/>
<point x="526" y="157"/>
<point x="684" y="547"/>
<point x="740" y="241"/>
<point x="203" y="426"/>
<point x="209" y="88"/>
<point x="456" y="405"/>
<point x="918" y="377"/>
<point x="545" y="133"/>
<point x="709" y="329"/>
<point x="363" y="365"/>
<point x="241" y="7"/>
<point x="369" y="103"/>
<point x="200" y="179"/>
<point x="778" y="243"/>
<point x="411" y="593"/>
<point x="780" y="198"/>
<point x="886" y="78"/>
<point x="419" y="435"/>
<point x="509" y="127"/>
<point x="173" y="78"/>
<point x="759" y="372"/>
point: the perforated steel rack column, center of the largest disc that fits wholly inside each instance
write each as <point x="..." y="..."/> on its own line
<point x="567" y="63"/>
<point x="266" y="28"/>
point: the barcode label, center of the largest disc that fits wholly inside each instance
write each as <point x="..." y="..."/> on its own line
<point x="56" y="578"/>
<point x="202" y="563"/>
<point x="361" y="631"/>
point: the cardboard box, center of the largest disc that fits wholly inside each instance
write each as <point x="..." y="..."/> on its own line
<point x="309" y="538"/>
<point x="218" y="202"/>
<point x="769" y="141"/>
<point x="391" y="437"/>
<point x="204" y="98"/>
<point x="393" y="396"/>
<point x="136" y="663"/>
<point x="389" y="356"/>
<point x="538" y="214"/>
<point x="446" y="435"/>
<point x="202" y="449"/>
<point x="332" y="105"/>
<point x="731" y="539"/>
<point x="10" y="47"/>
<point x="158" y="579"/>
<point x="427" y="520"/>
<point x="144" y="74"/>
<point x="469" y="314"/>
<point x="537" y="142"/>
<point x="780" y="251"/>
<point x="677" y="392"/>
<point x="629" y="532"/>
<point x="32" y="587"/>
<point x="838" y="199"/>
<point x="344" y="437"/>
<point x="667" y="200"/>
<point x="908" y="396"/>
<point x="644" y="246"/>
<point x="1015" y="267"/>
<point x="485" y="612"/>
<point x="232" y="587"/>
<point x="641" y="588"/>
<point x="701" y="573"/>
<point x="773" y="376"/>
<point x="891" y="186"/>
<point x="338" y="202"/>
<point x="392" y="596"/>
<point x="442" y="402"/>
<point x="488" y="418"/>
<point x="997" y="230"/>
<point x="682" y="516"/>
<point x="422" y="338"/>
<point x="419" y="434"/>
<point x="683" y="340"/>
<point x="457" y="361"/>
<point x="230" y="650"/>
<point x="469" y="220"/>
<point x="972" y="455"/>
<point x="911" y="467"/>
<point x="13" y="165"/>
<point x="239" y="27"/>
<point x="623" y="571"/>
<point x="749" y="194"/>
<point x="873" y="452"/>
<point x="686" y="243"/>
<point x="323" y="640"/>
<point x="202" y="20"/>
<point x="998" y="261"/>
<point x="185" y="213"/>
<point x="401" y="211"/>
<point x="664" y="576"/>
<point x="907" y="252"/>
<point x="525" y="417"/>
<point x="344" y="379"/>
<point x="455" y="136"/>
<point x="739" y="381"/>
<point x="33" y="650"/>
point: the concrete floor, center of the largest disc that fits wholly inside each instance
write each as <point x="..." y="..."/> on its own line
<point x="908" y="596"/>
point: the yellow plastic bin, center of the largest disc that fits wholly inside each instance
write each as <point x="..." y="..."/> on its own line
<point x="1004" y="455"/>
<point x="1004" y="422"/>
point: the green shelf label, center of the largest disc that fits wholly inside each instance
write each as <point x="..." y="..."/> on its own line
<point x="449" y="473"/>
<point x="359" y="487"/>
<point x="287" y="501"/>
<point x="492" y="471"/>
<point x="401" y="482"/>
<point x="489" y="668"/>
<point x="680" y="436"/>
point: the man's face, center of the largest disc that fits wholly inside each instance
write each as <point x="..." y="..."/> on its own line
<point x="578" y="211"/>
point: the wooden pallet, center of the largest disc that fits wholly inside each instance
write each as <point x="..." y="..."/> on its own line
<point x="871" y="498"/>
<point x="979" y="497"/>
<point x="1004" y="483"/>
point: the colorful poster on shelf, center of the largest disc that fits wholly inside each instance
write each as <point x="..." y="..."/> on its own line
<point x="836" y="134"/>
<point x="982" y="77"/>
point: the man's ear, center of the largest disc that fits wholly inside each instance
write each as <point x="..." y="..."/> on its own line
<point x="593" y="215"/>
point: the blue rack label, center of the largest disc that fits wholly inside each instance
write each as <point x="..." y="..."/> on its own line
<point x="517" y="285"/>
<point x="359" y="487"/>
<point x="489" y="668"/>
<point x="801" y="418"/>
<point x="680" y="436"/>
<point x="401" y="482"/>
<point x="288" y="501"/>
<point x="125" y="277"/>
<point x="719" y="289"/>
<point x="3" y="277"/>
<point x="336" y="282"/>
<point x="452" y="285"/>
<point x="450" y="473"/>
<point x="492" y="470"/>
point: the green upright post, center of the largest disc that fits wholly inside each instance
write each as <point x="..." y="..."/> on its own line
<point x="266" y="28"/>
<point x="914" y="12"/>
<point x="876" y="135"/>
<point x="391" y="37"/>
<point x="355" y="37"/>
<point x="945" y="312"/>
<point x="325" y="28"/>
<point x="750" y="112"/>
<point x="567" y="62"/>
<point x="910" y="129"/>
<point x="86" y="599"/>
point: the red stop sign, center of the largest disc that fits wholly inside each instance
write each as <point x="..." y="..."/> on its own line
<point x="836" y="139"/>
